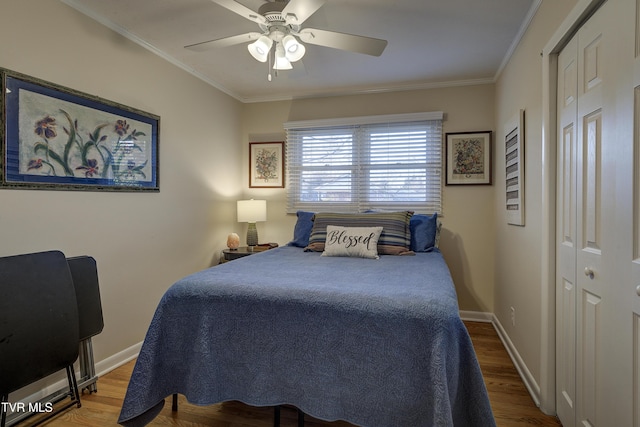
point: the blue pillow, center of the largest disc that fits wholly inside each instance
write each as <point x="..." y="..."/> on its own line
<point x="423" y="232"/>
<point x="302" y="230"/>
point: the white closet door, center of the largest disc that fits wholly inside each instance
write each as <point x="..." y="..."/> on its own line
<point x="595" y="158"/>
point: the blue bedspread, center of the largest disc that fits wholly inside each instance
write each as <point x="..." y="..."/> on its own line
<point x="373" y="342"/>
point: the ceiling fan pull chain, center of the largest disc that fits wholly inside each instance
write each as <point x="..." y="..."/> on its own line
<point x="270" y="68"/>
<point x="275" y="68"/>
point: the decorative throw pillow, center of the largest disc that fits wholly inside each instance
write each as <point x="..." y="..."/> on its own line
<point x="302" y="230"/>
<point x="359" y="242"/>
<point x="395" y="238"/>
<point x="424" y="229"/>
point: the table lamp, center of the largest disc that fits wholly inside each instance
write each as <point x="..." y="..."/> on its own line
<point x="252" y="211"/>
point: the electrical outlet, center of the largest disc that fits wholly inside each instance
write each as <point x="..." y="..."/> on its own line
<point x="513" y="316"/>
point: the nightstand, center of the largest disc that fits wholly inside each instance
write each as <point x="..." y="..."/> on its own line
<point x="231" y="254"/>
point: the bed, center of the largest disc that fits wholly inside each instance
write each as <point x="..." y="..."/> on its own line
<point x="372" y="341"/>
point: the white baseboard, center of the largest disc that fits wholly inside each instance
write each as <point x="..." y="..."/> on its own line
<point x="112" y="362"/>
<point x="476" y="316"/>
<point x="529" y="382"/>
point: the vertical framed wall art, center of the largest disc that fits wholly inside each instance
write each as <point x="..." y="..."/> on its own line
<point x="266" y="164"/>
<point x="468" y="158"/>
<point x="514" y="169"/>
<point x="56" y="138"/>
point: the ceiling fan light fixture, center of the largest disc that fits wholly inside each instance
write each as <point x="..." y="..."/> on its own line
<point x="260" y="48"/>
<point x="293" y="49"/>
<point x="281" y="61"/>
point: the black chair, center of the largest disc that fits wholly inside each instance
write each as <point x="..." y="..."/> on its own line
<point x="39" y="327"/>
<point x="84" y="272"/>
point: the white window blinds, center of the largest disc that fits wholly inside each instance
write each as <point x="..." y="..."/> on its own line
<point x="356" y="164"/>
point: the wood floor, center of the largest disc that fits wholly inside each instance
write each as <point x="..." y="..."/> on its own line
<point x="511" y="403"/>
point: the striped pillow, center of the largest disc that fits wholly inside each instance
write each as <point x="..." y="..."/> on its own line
<point x="395" y="238"/>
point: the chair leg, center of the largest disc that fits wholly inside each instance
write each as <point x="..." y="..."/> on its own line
<point x="73" y="385"/>
<point x="174" y="402"/>
<point x="73" y="394"/>
<point x="3" y="418"/>
<point x="276" y="416"/>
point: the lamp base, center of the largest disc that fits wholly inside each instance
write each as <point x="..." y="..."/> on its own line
<point x="252" y="234"/>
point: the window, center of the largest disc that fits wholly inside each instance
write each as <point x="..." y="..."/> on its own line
<point x="356" y="164"/>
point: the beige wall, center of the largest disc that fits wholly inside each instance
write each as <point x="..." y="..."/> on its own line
<point x="468" y="221"/>
<point x="142" y="242"/>
<point x="518" y="281"/>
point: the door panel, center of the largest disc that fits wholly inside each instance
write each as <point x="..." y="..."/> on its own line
<point x="592" y="185"/>
<point x="567" y="355"/>
<point x="568" y="188"/>
<point x="589" y="350"/>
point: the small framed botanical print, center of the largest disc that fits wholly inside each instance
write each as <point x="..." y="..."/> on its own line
<point x="266" y="164"/>
<point x="468" y="158"/>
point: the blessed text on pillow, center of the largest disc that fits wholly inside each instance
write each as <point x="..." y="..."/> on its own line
<point x="352" y="241"/>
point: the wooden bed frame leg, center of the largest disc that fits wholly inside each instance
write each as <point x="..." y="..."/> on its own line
<point x="276" y="416"/>
<point x="174" y="403"/>
<point x="300" y="418"/>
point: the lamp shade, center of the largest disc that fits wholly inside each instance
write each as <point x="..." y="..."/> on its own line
<point x="252" y="210"/>
<point x="260" y="48"/>
<point x="293" y="49"/>
<point x="282" y="63"/>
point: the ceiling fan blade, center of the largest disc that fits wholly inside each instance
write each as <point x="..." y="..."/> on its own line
<point x="241" y="10"/>
<point x="227" y="41"/>
<point x="297" y="11"/>
<point x="350" y="42"/>
<point x="299" y="70"/>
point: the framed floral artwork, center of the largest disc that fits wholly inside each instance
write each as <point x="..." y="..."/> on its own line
<point x="468" y="158"/>
<point x="266" y="164"/>
<point x="56" y="138"/>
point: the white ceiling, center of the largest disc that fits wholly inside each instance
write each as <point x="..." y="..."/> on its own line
<point x="431" y="43"/>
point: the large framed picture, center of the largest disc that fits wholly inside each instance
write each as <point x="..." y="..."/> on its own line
<point x="266" y="164"/>
<point x="57" y="138"/>
<point x="468" y="158"/>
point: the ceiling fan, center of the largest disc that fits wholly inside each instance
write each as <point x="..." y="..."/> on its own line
<point x="280" y="25"/>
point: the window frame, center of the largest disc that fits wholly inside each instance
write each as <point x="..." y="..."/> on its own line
<point x="361" y="171"/>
